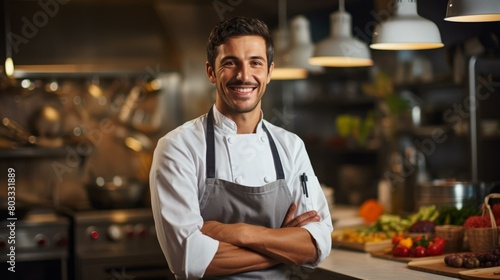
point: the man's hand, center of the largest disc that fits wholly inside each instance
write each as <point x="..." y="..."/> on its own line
<point x="273" y="243"/>
<point x="303" y="219"/>
<point x="235" y="233"/>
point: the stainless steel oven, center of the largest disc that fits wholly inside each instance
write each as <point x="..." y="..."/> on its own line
<point x="117" y="244"/>
<point x="40" y="248"/>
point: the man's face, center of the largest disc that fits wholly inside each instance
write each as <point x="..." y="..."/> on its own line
<point x="240" y="74"/>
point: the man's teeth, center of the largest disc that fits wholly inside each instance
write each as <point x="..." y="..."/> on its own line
<point x="244" y="90"/>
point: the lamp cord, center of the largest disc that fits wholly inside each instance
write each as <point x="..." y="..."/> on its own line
<point x="282" y="14"/>
<point x="8" y="49"/>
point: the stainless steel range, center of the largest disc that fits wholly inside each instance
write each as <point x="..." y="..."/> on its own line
<point x="40" y="247"/>
<point x="117" y="244"/>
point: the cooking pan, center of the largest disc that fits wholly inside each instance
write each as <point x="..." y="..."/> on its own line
<point x="117" y="193"/>
<point x="450" y="192"/>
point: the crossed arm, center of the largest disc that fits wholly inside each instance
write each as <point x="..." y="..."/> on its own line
<point x="244" y="247"/>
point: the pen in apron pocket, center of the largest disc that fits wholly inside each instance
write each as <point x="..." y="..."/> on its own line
<point x="305" y="191"/>
<point x="303" y="180"/>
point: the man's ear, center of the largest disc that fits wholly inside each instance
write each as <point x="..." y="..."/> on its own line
<point x="210" y="72"/>
<point x="271" y="68"/>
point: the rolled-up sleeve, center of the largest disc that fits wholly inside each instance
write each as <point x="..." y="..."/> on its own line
<point x="322" y="235"/>
<point x="174" y="201"/>
<point x="314" y="200"/>
<point x="321" y="231"/>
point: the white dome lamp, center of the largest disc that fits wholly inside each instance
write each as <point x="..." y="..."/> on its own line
<point x="283" y="71"/>
<point x="473" y="10"/>
<point x="341" y="49"/>
<point x="301" y="48"/>
<point x="406" y="30"/>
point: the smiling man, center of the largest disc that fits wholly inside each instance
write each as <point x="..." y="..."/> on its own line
<point x="234" y="196"/>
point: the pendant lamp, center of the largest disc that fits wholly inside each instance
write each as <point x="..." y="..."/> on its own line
<point x="282" y="71"/>
<point x="301" y="47"/>
<point x="406" y="30"/>
<point x="9" y="63"/>
<point x="341" y="49"/>
<point x="473" y="10"/>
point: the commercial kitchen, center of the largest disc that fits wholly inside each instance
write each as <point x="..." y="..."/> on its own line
<point x="396" y="101"/>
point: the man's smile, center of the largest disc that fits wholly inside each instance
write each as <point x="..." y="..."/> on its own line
<point x="242" y="90"/>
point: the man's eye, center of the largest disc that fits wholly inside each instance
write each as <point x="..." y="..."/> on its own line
<point x="229" y="63"/>
<point x="257" y="63"/>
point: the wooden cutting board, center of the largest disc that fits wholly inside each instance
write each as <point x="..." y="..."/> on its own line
<point x="364" y="247"/>
<point x="481" y="273"/>
<point x="388" y="256"/>
<point x="437" y="266"/>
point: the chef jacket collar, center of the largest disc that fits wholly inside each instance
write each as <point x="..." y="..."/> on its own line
<point x="229" y="126"/>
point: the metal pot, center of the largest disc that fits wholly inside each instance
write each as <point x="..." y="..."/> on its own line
<point x="117" y="193"/>
<point x="451" y="193"/>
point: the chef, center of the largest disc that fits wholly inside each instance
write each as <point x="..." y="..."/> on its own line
<point x="234" y="196"/>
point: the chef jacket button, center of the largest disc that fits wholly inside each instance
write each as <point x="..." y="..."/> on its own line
<point x="239" y="180"/>
<point x="230" y="140"/>
<point x="263" y="139"/>
<point x="267" y="179"/>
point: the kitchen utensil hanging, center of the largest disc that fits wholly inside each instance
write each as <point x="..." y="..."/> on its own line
<point x="19" y="134"/>
<point x="130" y="137"/>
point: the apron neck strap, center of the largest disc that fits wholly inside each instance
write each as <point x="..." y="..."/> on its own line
<point x="276" y="157"/>
<point x="210" y="155"/>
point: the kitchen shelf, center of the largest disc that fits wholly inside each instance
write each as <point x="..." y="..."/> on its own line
<point x="322" y="148"/>
<point x="339" y="105"/>
<point x="339" y="157"/>
<point x="434" y="85"/>
<point x="33" y="152"/>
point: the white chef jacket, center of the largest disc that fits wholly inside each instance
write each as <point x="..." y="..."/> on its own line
<point x="177" y="182"/>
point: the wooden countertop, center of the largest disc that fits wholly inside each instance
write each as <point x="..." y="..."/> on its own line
<point x="345" y="264"/>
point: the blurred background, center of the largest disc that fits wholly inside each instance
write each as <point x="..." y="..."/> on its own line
<point x="95" y="84"/>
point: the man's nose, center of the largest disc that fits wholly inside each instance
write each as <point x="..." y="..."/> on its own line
<point x="243" y="72"/>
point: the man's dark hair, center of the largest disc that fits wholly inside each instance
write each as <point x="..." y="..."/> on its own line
<point x="238" y="26"/>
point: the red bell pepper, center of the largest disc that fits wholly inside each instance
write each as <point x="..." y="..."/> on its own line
<point x="437" y="247"/>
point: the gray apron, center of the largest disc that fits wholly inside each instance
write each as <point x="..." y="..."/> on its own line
<point x="228" y="202"/>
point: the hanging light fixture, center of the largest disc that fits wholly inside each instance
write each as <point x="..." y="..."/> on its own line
<point x="9" y="63"/>
<point x="406" y="30"/>
<point x="301" y="48"/>
<point x="341" y="49"/>
<point x="473" y="11"/>
<point x="282" y="71"/>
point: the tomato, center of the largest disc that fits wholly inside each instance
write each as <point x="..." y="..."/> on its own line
<point x="400" y="251"/>
<point x="420" y="251"/>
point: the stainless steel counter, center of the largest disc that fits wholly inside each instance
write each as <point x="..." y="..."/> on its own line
<point x="344" y="264"/>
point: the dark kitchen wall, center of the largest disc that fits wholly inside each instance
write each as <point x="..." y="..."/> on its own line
<point x="2" y="32"/>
